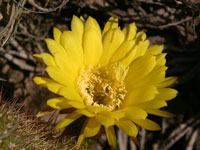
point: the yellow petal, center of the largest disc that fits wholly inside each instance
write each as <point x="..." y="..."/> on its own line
<point x="85" y="112"/>
<point x="92" y="47"/>
<point x="47" y="82"/>
<point x="156" y="76"/>
<point x="130" y="31"/>
<point x="128" y="127"/>
<point x="92" y="127"/>
<point x="110" y="134"/>
<point x="118" y="114"/>
<point x="139" y="69"/>
<point x="65" y="63"/>
<point x="82" y="19"/>
<point x="72" y="103"/>
<point x="148" y="124"/>
<point x="111" y="41"/>
<point x="138" y="51"/>
<point x="68" y="120"/>
<point x="167" y="82"/>
<point x="48" y="59"/>
<point x="91" y="23"/>
<point x="105" y="119"/>
<point x="77" y="27"/>
<point x="139" y="95"/>
<point x="70" y="93"/>
<point x="58" y="103"/>
<point x="54" y="46"/>
<point x="56" y="34"/>
<point x="140" y="36"/>
<point x="134" y="113"/>
<point x="80" y="141"/>
<point x="141" y="48"/>
<point x="75" y="104"/>
<point x="72" y="46"/>
<point x="155" y="49"/>
<point x="44" y="111"/>
<point x="38" y="58"/>
<point x="112" y="23"/>
<point x="160" y="113"/>
<point x="60" y="76"/>
<point x="154" y="104"/>
<point x="160" y="59"/>
<point x="63" y="103"/>
<point x="166" y="94"/>
<point x="123" y="50"/>
<point x="95" y="109"/>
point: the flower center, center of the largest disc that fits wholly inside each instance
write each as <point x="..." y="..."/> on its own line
<point x="102" y="85"/>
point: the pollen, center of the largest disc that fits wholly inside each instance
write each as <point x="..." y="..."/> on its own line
<point x="103" y="85"/>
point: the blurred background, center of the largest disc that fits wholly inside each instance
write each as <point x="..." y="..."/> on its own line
<point x="24" y="24"/>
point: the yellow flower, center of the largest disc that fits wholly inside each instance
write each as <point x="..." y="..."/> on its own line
<point x="112" y="77"/>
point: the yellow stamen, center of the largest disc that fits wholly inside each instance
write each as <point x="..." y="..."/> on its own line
<point x="101" y="87"/>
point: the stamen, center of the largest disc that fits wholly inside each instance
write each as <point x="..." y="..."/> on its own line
<point x="103" y="86"/>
